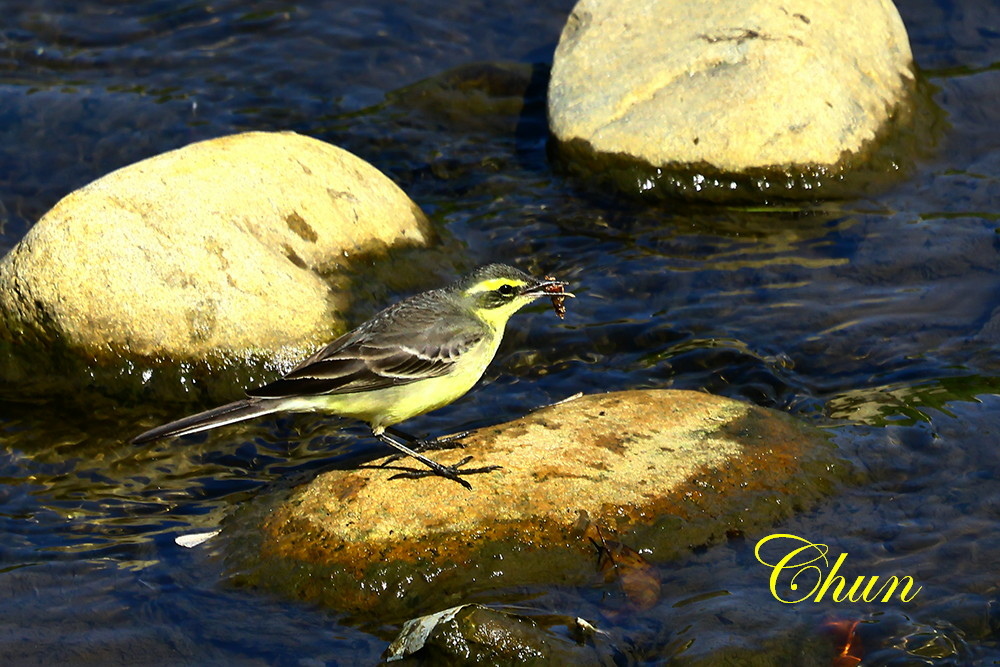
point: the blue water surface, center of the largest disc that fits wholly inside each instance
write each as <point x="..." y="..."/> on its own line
<point x="876" y="318"/>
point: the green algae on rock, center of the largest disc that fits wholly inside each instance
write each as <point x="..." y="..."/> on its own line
<point x="227" y="252"/>
<point x="661" y="470"/>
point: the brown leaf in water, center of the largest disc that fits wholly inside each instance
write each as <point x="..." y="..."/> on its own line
<point x="638" y="578"/>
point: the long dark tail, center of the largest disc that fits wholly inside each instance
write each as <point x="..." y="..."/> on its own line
<point x="236" y="411"/>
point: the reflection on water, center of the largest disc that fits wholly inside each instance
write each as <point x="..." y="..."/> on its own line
<point x="874" y="318"/>
<point x="903" y="404"/>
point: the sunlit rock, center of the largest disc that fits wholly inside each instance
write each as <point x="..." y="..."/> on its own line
<point x="730" y="98"/>
<point x="210" y="254"/>
<point x="659" y="471"/>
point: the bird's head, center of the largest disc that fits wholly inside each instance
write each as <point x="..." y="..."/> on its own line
<point x="497" y="291"/>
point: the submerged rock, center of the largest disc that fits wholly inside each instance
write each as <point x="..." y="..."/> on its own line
<point x="661" y="471"/>
<point x="477" y="635"/>
<point x="211" y="254"/>
<point x="728" y="99"/>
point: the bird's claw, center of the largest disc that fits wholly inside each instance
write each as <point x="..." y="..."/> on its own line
<point x="435" y="443"/>
<point x="452" y="472"/>
<point x="444" y="442"/>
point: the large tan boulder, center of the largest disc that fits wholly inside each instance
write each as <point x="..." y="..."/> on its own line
<point x="218" y="252"/>
<point x="661" y="471"/>
<point x="784" y="93"/>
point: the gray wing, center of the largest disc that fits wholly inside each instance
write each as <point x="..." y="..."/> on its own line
<point x="398" y="346"/>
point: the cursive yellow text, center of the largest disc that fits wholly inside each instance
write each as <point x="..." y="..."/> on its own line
<point x="805" y="566"/>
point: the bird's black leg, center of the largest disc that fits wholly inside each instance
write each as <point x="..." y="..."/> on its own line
<point x="453" y="472"/>
<point x="427" y="444"/>
<point x="423" y="444"/>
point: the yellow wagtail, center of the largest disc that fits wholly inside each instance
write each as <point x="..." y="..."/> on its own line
<point x="413" y="357"/>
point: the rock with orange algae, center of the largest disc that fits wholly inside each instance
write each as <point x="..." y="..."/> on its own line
<point x="659" y="470"/>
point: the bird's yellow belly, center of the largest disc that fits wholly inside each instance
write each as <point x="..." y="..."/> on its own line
<point x="392" y="405"/>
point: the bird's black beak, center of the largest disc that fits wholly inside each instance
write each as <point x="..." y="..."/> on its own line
<point x="546" y="287"/>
